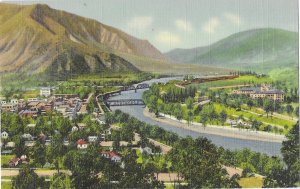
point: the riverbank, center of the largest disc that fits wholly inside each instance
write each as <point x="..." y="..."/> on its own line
<point x="218" y="130"/>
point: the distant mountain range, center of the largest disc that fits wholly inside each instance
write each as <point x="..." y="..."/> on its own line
<point x="260" y="50"/>
<point x="36" y="38"/>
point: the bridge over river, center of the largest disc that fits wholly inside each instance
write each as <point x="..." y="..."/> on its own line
<point x="125" y="102"/>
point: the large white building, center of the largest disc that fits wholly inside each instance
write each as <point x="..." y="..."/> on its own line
<point x="45" y="91"/>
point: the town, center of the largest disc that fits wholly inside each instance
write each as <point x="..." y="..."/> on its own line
<point x="47" y="130"/>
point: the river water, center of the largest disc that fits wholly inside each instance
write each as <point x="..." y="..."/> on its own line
<point x="270" y="148"/>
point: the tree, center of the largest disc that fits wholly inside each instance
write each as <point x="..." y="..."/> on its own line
<point x="135" y="176"/>
<point x="297" y="111"/>
<point x="223" y="116"/>
<point x="27" y="178"/>
<point x="288" y="175"/>
<point x="189" y="104"/>
<point x="39" y="154"/>
<point x="117" y="139"/>
<point x="250" y="103"/>
<point x="84" y="167"/>
<point x="289" y="109"/>
<point x="55" y="151"/>
<point x="199" y="162"/>
<point x="20" y="148"/>
<point x="267" y="106"/>
<point x="61" y="180"/>
<point x="256" y="124"/>
<point x="290" y="153"/>
<point x="178" y="112"/>
<point x="153" y="104"/>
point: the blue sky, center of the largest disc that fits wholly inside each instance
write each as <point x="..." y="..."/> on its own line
<point x="170" y="24"/>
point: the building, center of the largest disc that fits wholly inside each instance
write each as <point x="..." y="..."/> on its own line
<point x="9" y="107"/>
<point x="275" y="95"/>
<point x="92" y="139"/>
<point x="81" y="144"/>
<point x="45" y="91"/>
<point x="14" y="101"/>
<point x="112" y="155"/>
<point x="264" y="91"/>
<point x="146" y="150"/>
<point x="4" y="135"/>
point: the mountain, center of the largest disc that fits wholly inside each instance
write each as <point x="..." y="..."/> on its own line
<point x="258" y="49"/>
<point x="37" y="38"/>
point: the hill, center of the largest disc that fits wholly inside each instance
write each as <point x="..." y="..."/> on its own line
<point x="36" y="38"/>
<point x="260" y="50"/>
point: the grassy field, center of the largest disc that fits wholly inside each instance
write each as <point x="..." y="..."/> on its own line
<point x="5" y="159"/>
<point x="233" y="113"/>
<point x="6" y="185"/>
<point x="251" y="182"/>
<point x="242" y="80"/>
<point x="270" y="120"/>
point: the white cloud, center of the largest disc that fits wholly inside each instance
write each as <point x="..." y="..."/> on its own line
<point x="211" y="25"/>
<point x="233" y="18"/>
<point x="184" y="25"/>
<point x="167" y="38"/>
<point x="140" y="22"/>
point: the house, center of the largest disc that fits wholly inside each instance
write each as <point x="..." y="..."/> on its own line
<point x="4" y="135"/>
<point x="10" y="145"/>
<point x="28" y="113"/>
<point x="81" y="144"/>
<point x="92" y="138"/>
<point x="45" y="91"/>
<point x="24" y="159"/>
<point x="9" y="107"/>
<point x="146" y="150"/>
<point x="14" y="101"/>
<point x="74" y="128"/>
<point x="47" y="142"/>
<point x="27" y="136"/>
<point x="32" y="99"/>
<point x="14" y="162"/>
<point x="29" y="143"/>
<point x="81" y="125"/>
<point x="33" y="105"/>
<point x="66" y="143"/>
<point x="112" y="155"/>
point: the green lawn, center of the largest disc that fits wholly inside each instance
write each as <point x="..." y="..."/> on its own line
<point x="269" y="120"/>
<point x="6" y="185"/>
<point x="251" y="182"/>
<point x="242" y="80"/>
<point x="233" y="113"/>
<point x="5" y="159"/>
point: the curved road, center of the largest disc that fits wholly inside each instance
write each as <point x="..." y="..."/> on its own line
<point x="270" y="148"/>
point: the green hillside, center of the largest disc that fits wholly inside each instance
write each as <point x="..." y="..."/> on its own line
<point x="260" y="50"/>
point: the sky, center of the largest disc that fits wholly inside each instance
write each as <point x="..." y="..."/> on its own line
<point x="169" y="24"/>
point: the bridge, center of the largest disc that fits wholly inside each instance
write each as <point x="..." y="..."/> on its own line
<point x="139" y="86"/>
<point x="125" y="102"/>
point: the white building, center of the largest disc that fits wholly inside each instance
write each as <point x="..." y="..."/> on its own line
<point x="45" y="91"/>
<point x="92" y="139"/>
<point x="14" y="101"/>
<point x="4" y="135"/>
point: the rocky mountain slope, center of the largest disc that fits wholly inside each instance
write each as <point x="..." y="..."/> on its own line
<point x="36" y="38"/>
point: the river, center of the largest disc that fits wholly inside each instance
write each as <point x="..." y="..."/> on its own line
<point x="270" y="148"/>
